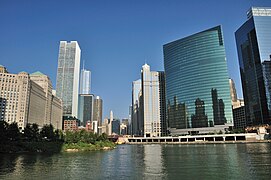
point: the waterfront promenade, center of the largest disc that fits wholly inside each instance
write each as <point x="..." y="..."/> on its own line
<point x="217" y="138"/>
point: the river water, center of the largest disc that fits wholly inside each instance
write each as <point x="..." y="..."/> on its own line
<point x="198" y="161"/>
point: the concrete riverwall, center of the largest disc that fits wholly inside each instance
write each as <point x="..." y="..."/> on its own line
<point x="218" y="138"/>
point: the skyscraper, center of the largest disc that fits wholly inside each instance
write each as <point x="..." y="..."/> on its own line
<point x="235" y="101"/>
<point x="67" y="84"/>
<point x="98" y="110"/>
<point x="152" y="99"/>
<point x="85" y="108"/>
<point x="253" y="40"/>
<point x="197" y="86"/>
<point x="233" y="90"/>
<point x="85" y="81"/>
<point x="137" y="118"/>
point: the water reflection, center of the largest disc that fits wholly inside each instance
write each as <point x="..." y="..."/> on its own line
<point x="217" y="161"/>
<point x="153" y="161"/>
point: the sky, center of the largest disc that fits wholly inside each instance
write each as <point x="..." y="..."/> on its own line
<point x="116" y="37"/>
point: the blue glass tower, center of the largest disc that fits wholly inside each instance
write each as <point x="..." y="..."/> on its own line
<point x="253" y="40"/>
<point x="197" y="85"/>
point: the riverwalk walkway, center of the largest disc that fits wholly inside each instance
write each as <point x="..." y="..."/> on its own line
<point x="217" y="138"/>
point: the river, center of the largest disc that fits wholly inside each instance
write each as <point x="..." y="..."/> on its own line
<point x="198" y="161"/>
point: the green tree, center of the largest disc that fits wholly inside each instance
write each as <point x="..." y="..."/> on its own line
<point x="13" y="132"/>
<point x="103" y="137"/>
<point x="3" y="131"/>
<point x="47" y="132"/>
<point x="31" y="132"/>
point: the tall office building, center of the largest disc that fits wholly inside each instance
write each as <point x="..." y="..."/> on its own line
<point x="253" y="40"/>
<point x="137" y="116"/>
<point x="116" y="126"/>
<point x="152" y="99"/>
<point x="233" y="90"/>
<point x="235" y="101"/>
<point x="98" y="110"/>
<point x="85" y="81"/>
<point x="197" y="85"/>
<point x="85" y="108"/>
<point x="67" y="84"/>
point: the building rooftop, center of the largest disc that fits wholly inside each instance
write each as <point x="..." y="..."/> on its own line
<point x="37" y="73"/>
<point x="259" y="11"/>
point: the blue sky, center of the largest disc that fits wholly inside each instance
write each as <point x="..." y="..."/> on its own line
<point x="116" y="37"/>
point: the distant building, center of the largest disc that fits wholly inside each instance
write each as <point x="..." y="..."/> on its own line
<point x="89" y="126"/>
<point x="137" y="111"/>
<point x="70" y="123"/>
<point x="130" y="120"/>
<point x="110" y="131"/>
<point x="85" y="81"/>
<point x="253" y="47"/>
<point x="98" y="110"/>
<point x="233" y="90"/>
<point x="85" y="108"/>
<point x="67" y="84"/>
<point x="197" y="85"/>
<point x="239" y="117"/>
<point x="124" y="127"/>
<point x="104" y="127"/>
<point x="28" y="99"/>
<point x="115" y="126"/>
<point x="3" y="69"/>
<point x="95" y="126"/>
<point x="236" y="103"/>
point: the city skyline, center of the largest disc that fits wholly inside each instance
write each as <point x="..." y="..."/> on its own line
<point x="113" y="56"/>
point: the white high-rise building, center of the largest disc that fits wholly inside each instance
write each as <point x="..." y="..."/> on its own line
<point x="151" y="102"/>
<point x="67" y="85"/>
<point x="85" y="81"/>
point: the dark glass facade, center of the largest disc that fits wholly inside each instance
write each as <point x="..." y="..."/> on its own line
<point x="85" y="108"/>
<point x="253" y="40"/>
<point x="239" y="117"/>
<point x="197" y="85"/>
<point x="116" y="126"/>
<point x="162" y="94"/>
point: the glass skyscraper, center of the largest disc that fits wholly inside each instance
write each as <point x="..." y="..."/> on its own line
<point x="253" y="41"/>
<point x="67" y="84"/>
<point x="85" y="81"/>
<point x="137" y="116"/>
<point x="197" y="86"/>
<point x="85" y="108"/>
